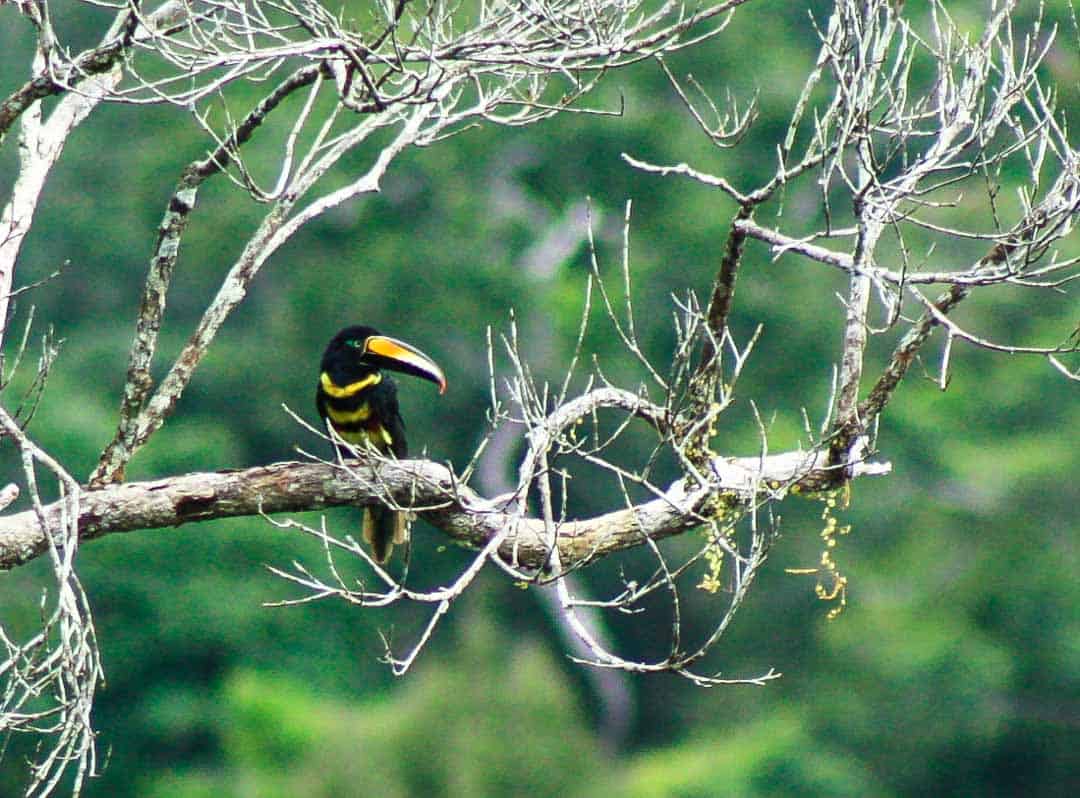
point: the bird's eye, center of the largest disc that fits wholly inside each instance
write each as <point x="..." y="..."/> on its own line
<point x="355" y="343"/>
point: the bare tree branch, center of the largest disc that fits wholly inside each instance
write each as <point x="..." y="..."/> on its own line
<point x="430" y="489"/>
<point x="50" y="680"/>
<point x="177" y="215"/>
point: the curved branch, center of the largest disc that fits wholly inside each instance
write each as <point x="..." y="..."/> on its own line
<point x="430" y="488"/>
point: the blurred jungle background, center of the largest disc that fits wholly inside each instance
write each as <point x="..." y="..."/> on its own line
<point x="953" y="670"/>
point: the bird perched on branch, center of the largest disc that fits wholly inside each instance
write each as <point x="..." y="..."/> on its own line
<point x="360" y="403"/>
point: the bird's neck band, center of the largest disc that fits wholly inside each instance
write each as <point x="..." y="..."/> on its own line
<point x="353" y="388"/>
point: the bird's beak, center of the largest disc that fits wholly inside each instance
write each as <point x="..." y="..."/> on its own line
<point x="397" y="355"/>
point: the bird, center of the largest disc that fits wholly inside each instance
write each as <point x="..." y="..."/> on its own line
<point x="360" y="403"/>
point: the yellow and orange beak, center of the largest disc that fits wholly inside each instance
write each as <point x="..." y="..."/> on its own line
<point x="390" y="353"/>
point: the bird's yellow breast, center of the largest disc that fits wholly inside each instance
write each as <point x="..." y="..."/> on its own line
<point x="361" y="413"/>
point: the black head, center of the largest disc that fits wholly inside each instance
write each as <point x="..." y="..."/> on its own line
<point x="358" y="351"/>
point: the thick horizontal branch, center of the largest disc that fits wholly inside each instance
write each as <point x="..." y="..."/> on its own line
<point x="430" y="488"/>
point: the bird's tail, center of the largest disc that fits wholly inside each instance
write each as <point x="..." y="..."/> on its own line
<point x="383" y="528"/>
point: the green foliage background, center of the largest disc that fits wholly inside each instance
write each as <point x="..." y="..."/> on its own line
<point x="952" y="672"/>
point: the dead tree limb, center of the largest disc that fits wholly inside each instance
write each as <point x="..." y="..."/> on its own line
<point x="431" y="489"/>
